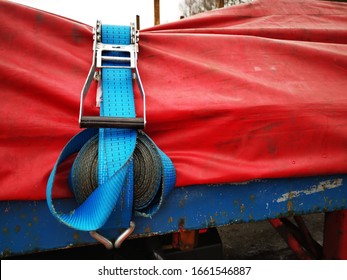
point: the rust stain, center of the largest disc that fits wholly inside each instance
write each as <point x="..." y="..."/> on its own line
<point x="30" y="224"/>
<point x="147" y="230"/>
<point x="17" y="228"/>
<point x="250" y="217"/>
<point x="181" y="203"/>
<point x="252" y="197"/>
<point x="35" y="219"/>
<point x="5" y="230"/>
<point x="290" y="205"/>
<point x="242" y="207"/>
<point x="76" y="235"/>
<point x="170" y="220"/>
<point x="181" y="223"/>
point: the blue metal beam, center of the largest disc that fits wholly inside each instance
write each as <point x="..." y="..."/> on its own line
<point x="27" y="226"/>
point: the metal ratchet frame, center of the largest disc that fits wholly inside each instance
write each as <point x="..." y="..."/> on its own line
<point x="95" y="74"/>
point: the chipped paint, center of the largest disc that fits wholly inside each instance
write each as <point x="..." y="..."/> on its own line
<point x="322" y="186"/>
<point x="212" y="222"/>
<point x="6" y="252"/>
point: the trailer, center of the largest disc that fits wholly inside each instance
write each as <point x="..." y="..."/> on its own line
<point x="248" y="103"/>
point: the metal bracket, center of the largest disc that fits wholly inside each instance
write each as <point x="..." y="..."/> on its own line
<point x="113" y="55"/>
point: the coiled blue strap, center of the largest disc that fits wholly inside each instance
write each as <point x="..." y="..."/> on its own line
<point x="115" y="157"/>
<point x="95" y="210"/>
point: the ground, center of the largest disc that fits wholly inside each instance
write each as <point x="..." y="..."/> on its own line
<point x="259" y="240"/>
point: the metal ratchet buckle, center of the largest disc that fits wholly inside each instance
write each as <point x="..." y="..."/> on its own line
<point x="127" y="62"/>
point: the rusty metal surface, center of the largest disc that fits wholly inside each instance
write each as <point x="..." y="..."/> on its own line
<point x="27" y="226"/>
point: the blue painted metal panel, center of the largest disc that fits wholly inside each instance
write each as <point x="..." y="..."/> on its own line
<point x="27" y="226"/>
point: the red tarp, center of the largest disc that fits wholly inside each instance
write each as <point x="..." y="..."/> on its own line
<point x="252" y="91"/>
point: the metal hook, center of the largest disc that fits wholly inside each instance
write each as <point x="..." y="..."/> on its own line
<point x="103" y="240"/>
<point x="124" y="235"/>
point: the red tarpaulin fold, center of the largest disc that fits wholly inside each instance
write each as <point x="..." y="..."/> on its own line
<point x="246" y="92"/>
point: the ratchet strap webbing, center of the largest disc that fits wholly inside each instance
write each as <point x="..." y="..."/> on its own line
<point x="115" y="175"/>
<point x="116" y="146"/>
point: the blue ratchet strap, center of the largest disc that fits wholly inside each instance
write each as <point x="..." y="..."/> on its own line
<point x="116" y="146"/>
<point x="115" y="155"/>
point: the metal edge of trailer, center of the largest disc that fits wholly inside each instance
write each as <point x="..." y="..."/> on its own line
<point x="28" y="226"/>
